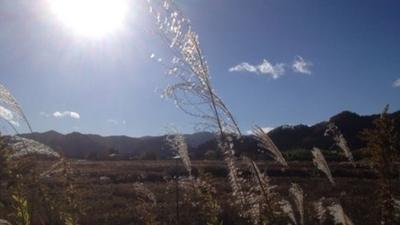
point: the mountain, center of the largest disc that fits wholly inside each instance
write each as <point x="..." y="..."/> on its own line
<point x="77" y="145"/>
<point x="203" y="144"/>
<point x="302" y="137"/>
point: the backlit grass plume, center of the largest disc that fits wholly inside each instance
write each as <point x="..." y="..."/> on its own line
<point x="333" y="131"/>
<point x="268" y="146"/>
<point x="198" y="193"/>
<point x="320" y="210"/>
<point x="10" y="110"/>
<point x="397" y="208"/>
<point x="21" y="147"/>
<point x="383" y="144"/>
<point x="4" y="222"/>
<point x="193" y="92"/>
<point x="338" y="214"/>
<point x="265" y="199"/>
<point x="320" y="162"/>
<point x="288" y="210"/>
<point x="298" y="197"/>
<point x="235" y="180"/>
<point x="177" y="143"/>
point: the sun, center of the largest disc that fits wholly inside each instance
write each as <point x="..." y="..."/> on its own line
<point x="90" y="18"/>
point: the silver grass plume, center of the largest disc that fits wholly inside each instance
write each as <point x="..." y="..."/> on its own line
<point x="298" y="198"/>
<point x="320" y="210"/>
<point x="288" y="210"/>
<point x="21" y="147"/>
<point x="4" y="222"/>
<point x="339" y="216"/>
<point x="268" y="146"/>
<point x="177" y="142"/>
<point x="396" y="203"/>
<point x="320" y="162"/>
<point x="10" y="110"/>
<point x="385" y="111"/>
<point x="193" y="92"/>
<point x="263" y="194"/>
<point x="333" y="131"/>
<point x="235" y="180"/>
<point x="397" y="207"/>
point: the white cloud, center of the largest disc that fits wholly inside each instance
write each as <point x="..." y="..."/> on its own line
<point x="112" y="121"/>
<point x="301" y="66"/>
<point x="44" y="114"/>
<point x="8" y="115"/>
<point x="265" y="129"/>
<point x="396" y="83"/>
<point x="275" y="71"/>
<point x="73" y="115"/>
<point x="244" y="67"/>
<point x="116" y="122"/>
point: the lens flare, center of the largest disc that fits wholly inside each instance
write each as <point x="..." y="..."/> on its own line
<point x="91" y="18"/>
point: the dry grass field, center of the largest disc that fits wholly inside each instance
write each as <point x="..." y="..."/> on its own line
<point x="107" y="194"/>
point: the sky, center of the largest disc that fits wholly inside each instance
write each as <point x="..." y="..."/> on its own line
<point x="273" y="62"/>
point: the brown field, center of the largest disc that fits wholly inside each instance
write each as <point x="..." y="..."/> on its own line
<point x="106" y="195"/>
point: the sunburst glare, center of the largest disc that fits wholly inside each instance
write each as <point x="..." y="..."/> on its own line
<point x="91" y="18"/>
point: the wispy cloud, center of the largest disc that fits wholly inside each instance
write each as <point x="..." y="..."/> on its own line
<point x="8" y="115"/>
<point x="44" y="114"/>
<point x="116" y="122"/>
<point x="70" y="114"/>
<point x="301" y="66"/>
<point x="266" y="68"/>
<point x="265" y="129"/>
<point x="396" y="83"/>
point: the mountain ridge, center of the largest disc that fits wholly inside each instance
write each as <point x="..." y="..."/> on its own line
<point x="93" y="146"/>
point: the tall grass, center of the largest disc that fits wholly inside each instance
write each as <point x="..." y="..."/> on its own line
<point x="25" y="199"/>
<point x="193" y="93"/>
<point x="320" y="162"/>
<point x="383" y="144"/>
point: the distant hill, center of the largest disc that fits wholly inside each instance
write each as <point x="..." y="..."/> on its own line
<point x="300" y="137"/>
<point x="77" y="145"/>
<point x="203" y="144"/>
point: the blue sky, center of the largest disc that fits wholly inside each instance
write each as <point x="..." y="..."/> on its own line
<point x="347" y="54"/>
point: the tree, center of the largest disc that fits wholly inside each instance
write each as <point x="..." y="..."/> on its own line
<point x="383" y="151"/>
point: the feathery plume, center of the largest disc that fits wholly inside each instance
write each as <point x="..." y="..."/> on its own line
<point x="23" y="146"/>
<point x="298" y="197"/>
<point x="396" y="203"/>
<point x="4" y="222"/>
<point x="177" y="142"/>
<point x="268" y="146"/>
<point x="288" y="210"/>
<point x="263" y="196"/>
<point x="10" y="104"/>
<point x="320" y="210"/>
<point x="333" y="131"/>
<point x="233" y="172"/>
<point x="320" y="162"/>
<point x="193" y="92"/>
<point x="385" y="110"/>
<point x="397" y="207"/>
<point x="340" y="217"/>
